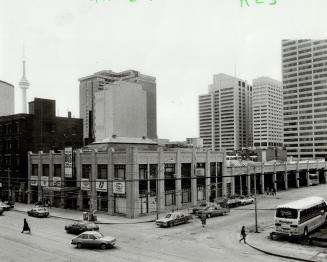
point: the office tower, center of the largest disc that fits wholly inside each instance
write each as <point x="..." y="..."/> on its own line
<point x="305" y="97"/>
<point x="7" y="99"/>
<point x="267" y="103"/>
<point x="225" y="114"/>
<point x="120" y="110"/>
<point x="96" y="82"/>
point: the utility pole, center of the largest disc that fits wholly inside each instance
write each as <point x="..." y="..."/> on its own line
<point x="9" y="184"/>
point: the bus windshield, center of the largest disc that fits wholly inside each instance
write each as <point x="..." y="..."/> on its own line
<point x="286" y="213"/>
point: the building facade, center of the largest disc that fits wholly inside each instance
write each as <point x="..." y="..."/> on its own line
<point x="7" y="99"/>
<point x="267" y="103"/>
<point x="225" y="114"/>
<point x="120" y="110"/>
<point x="96" y="82"/>
<point x="305" y="97"/>
<point x="38" y="130"/>
<point x="128" y="181"/>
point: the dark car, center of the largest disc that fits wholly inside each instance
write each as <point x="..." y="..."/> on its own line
<point x="80" y="227"/>
<point x="38" y="212"/>
<point x="213" y="211"/>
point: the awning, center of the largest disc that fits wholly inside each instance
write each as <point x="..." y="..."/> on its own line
<point x="60" y="189"/>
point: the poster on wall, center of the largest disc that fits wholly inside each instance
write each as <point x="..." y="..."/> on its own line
<point x="85" y="184"/>
<point x="44" y="181"/>
<point x="199" y="172"/>
<point x="57" y="181"/>
<point x="68" y="162"/>
<point x="118" y="187"/>
<point x="34" y="180"/>
<point x="101" y="185"/>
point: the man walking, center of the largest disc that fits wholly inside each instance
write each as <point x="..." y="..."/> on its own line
<point x="26" y="227"/>
<point x="203" y="219"/>
<point x="243" y="235"/>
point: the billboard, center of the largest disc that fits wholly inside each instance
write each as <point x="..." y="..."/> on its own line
<point x="68" y="162"/>
<point x="57" y="181"/>
<point x="34" y="180"/>
<point x="85" y="184"/>
<point x="101" y="185"/>
<point x="119" y="187"/>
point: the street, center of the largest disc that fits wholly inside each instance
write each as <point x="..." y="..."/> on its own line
<point x="218" y="241"/>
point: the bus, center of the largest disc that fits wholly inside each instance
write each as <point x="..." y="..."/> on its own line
<point x="313" y="179"/>
<point x="300" y="217"/>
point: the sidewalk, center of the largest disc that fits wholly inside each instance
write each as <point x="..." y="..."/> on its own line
<point x="263" y="243"/>
<point x="76" y="215"/>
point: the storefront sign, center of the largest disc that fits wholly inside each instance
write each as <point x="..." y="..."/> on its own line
<point x="44" y="181"/>
<point x="119" y="187"/>
<point x="85" y="184"/>
<point x="68" y="162"/>
<point x="101" y="185"/>
<point x="199" y="172"/>
<point x="34" y="180"/>
<point x="57" y="181"/>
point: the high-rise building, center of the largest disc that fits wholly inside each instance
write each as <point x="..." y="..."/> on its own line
<point x="96" y="82"/>
<point x="7" y="99"/>
<point x="305" y="97"/>
<point x="267" y="103"/>
<point x="120" y="110"/>
<point x="225" y="114"/>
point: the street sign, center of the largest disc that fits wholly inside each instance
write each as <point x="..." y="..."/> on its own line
<point x="101" y="185"/>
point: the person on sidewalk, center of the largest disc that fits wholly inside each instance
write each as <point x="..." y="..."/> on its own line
<point x="203" y="219"/>
<point x="26" y="227"/>
<point x="243" y="235"/>
<point x="49" y="203"/>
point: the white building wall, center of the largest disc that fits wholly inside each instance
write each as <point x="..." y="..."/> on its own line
<point x="7" y="99"/>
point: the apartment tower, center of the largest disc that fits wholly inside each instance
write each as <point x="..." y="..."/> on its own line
<point x="305" y="97"/>
<point x="267" y="102"/>
<point x="225" y="114"/>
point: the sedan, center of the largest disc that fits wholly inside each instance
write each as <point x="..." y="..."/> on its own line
<point x="80" y="227"/>
<point x="10" y="203"/>
<point x="246" y="200"/>
<point x="213" y="211"/>
<point x="4" y="206"/>
<point x="93" y="239"/>
<point x="172" y="219"/>
<point x="38" y="212"/>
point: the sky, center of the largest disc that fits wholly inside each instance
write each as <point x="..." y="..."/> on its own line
<point x="182" y="43"/>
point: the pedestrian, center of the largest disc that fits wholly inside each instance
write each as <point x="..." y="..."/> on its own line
<point x="49" y="203"/>
<point x="26" y="227"/>
<point x="243" y="235"/>
<point x="203" y="219"/>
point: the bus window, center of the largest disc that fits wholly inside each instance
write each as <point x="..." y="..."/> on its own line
<point x="286" y="213"/>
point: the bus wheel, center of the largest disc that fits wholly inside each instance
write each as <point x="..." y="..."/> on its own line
<point x="305" y="232"/>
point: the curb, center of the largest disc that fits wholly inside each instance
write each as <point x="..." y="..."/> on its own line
<point x="279" y="255"/>
<point x="96" y="222"/>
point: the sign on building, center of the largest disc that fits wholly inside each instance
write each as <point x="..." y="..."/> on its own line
<point x="44" y="181"/>
<point x="57" y="181"/>
<point x="68" y="162"/>
<point x="101" y="185"/>
<point x="34" y="180"/>
<point x="119" y="187"/>
<point x="199" y="172"/>
<point x="85" y="184"/>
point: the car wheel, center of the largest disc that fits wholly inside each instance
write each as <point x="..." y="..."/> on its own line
<point x="103" y="246"/>
<point x="305" y="232"/>
<point x="170" y="224"/>
<point x="79" y="245"/>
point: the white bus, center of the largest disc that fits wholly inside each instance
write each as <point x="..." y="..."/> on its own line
<point x="313" y="179"/>
<point x="300" y="217"/>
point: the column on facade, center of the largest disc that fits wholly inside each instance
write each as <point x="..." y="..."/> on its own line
<point x="232" y="182"/>
<point x="207" y="176"/>
<point x="132" y="183"/>
<point x="178" y="180"/>
<point x="79" y="178"/>
<point x="40" y="173"/>
<point x="51" y="171"/>
<point x="248" y="182"/>
<point x="29" y="166"/>
<point x="262" y="182"/>
<point x="194" y="192"/>
<point x="241" y="188"/>
<point x="62" y="193"/>
<point x="255" y="183"/>
<point x="110" y="178"/>
<point x="275" y="181"/>
<point x="307" y="176"/>
<point x="93" y="192"/>
<point x="286" y="177"/>
<point x="297" y="178"/>
<point x="161" y="182"/>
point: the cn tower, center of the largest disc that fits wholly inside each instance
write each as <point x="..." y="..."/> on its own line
<point x="24" y="85"/>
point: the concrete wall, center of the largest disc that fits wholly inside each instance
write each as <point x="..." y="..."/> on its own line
<point x="7" y="99"/>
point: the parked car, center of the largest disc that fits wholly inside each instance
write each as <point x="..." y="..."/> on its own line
<point x="214" y="210"/>
<point x="233" y="201"/>
<point x="201" y="206"/>
<point x="93" y="239"/>
<point x="247" y="200"/>
<point x="4" y="206"/>
<point x="38" y="212"/>
<point x="80" y="227"/>
<point x="1" y="211"/>
<point x="172" y="219"/>
<point x="10" y="203"/>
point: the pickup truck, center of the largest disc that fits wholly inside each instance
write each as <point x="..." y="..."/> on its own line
<point x="172" y="219"/>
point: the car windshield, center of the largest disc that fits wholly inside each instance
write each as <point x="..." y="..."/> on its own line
<point x="97" y="235"/>
<point x="286" y="213"/>
<point x="168" y="216"/>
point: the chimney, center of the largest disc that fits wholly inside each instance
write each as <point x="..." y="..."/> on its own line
<point x="69" y="114"/>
